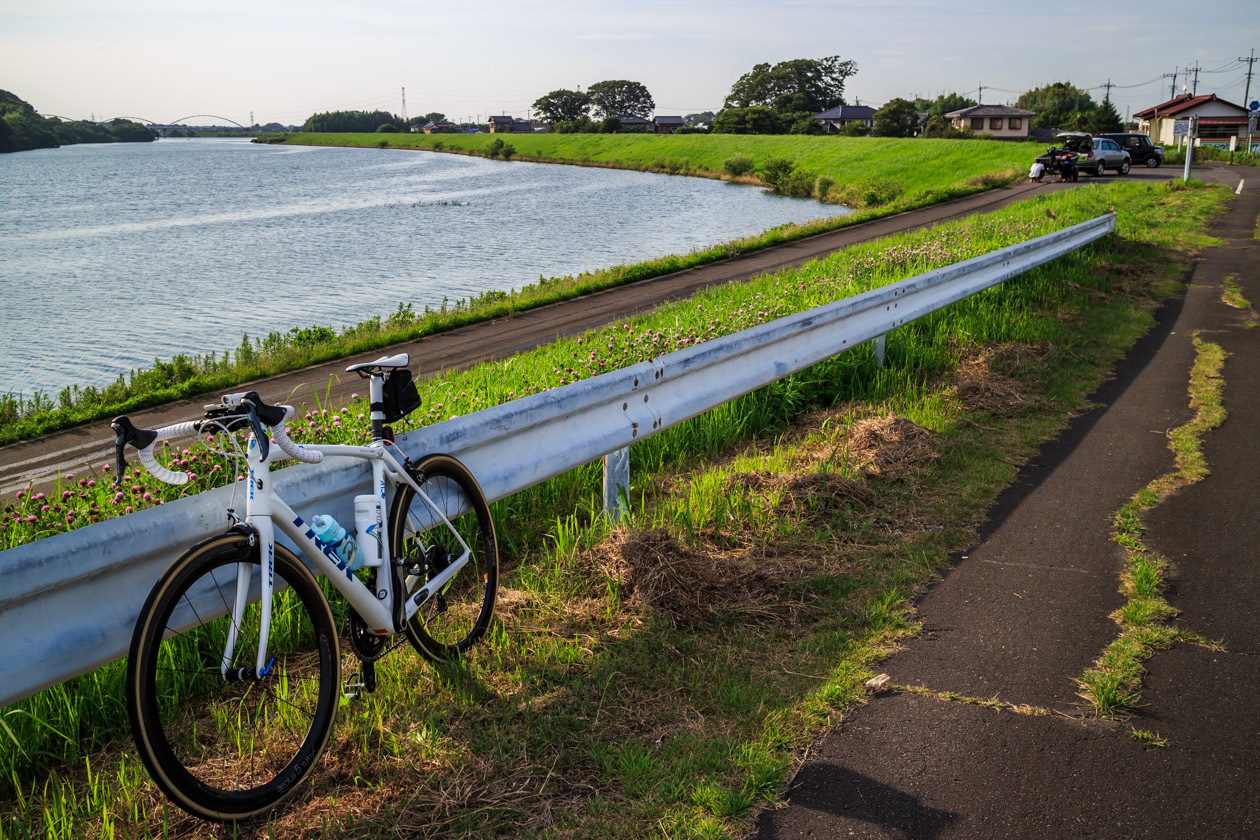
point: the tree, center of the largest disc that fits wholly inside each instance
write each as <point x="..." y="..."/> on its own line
<point x="562" y="105"/>
<point x="1060" y="105"/>
<point x="434" y="117"/>
<point x="352" y="121"/>
<point x="939" y="127"/>
<point x="618" y="97"/>
<point x="1105" y="119"/>
<point x="802" y="85"/>
<point x="755" y="120"/>
<point x="899" y="118"/>
<point x="943" y="104"/>
<point x="705" y="117"/>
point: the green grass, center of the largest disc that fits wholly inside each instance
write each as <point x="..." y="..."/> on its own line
<point x="1113" y="685"/>
<point x="886" y="169"/>
<point x="590" y="711"/>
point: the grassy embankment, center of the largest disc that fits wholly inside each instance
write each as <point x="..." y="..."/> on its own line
<point x="888" y="176"/>
<point x="662" y="677"/>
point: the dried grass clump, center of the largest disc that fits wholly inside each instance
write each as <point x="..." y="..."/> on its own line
<point x="802" y="493"/>
<point x="890" y="446"/>
<point x="984" y="384"/>
<point x="658" y="573"/>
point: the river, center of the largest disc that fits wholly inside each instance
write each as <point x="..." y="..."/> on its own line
<point x="114" y="255"/>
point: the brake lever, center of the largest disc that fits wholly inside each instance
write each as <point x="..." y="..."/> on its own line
<point x="128" y="433"/>
<point x="260" y="434"/>
<point x="120" y="461"/>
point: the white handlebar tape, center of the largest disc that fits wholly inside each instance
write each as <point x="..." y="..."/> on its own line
<point x="286" y="444"/>
<point x="151" y="464"/>
<point x="158" y="471"/>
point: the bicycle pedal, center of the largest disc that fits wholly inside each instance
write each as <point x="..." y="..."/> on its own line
<point x="354" y="686"/>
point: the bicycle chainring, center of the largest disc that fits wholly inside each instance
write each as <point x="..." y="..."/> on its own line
<point x="367" y="646"/>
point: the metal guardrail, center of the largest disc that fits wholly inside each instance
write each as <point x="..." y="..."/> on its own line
<point x="68" y="603"/>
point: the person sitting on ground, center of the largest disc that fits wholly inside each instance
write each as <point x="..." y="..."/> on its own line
<point x="1067" y="168"/>
<point x="1037" y="172"/>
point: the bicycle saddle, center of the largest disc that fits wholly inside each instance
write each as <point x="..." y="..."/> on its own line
<point x="399" y="361"/>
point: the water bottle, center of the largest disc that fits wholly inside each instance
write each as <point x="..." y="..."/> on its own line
<point x="367" y="522"/>
<point x="336" y="538"/>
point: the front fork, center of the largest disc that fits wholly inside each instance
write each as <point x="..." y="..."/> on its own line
<point x="264" y="537"/>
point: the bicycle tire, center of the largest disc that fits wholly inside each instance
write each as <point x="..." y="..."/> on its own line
<point x="451" y="622"/>
<point x="227" y="750"/>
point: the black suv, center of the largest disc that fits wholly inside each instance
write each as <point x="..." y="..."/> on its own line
<point x="1140" y="148"/>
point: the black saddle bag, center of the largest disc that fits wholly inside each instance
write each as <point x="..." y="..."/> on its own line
<point x="400" y="397"/>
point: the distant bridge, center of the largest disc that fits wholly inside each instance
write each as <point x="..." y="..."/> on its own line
<point x="154" y="122"/>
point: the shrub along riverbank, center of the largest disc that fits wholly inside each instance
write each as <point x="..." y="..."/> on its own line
<point x="897" y="175"/>
<point x="665" y="674"/>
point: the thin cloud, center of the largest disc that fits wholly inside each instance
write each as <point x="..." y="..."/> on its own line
<point x="614" y="36"/>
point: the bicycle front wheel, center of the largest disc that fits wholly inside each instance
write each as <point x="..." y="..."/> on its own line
<point x="425" y="533"/>
<point x="228" y="748"/>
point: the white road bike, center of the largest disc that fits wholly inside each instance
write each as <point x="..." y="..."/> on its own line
<point x="233" y="677"/>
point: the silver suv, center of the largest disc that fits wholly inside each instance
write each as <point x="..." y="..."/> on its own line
<point x="1095" y="155"/>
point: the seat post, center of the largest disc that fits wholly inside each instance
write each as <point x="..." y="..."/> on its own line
<point x="376" y="403"/>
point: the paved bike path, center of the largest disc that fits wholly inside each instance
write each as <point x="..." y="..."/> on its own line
<point x="1024" y="611"/>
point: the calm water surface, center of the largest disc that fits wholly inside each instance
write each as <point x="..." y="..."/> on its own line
<point x="114" y="255"/>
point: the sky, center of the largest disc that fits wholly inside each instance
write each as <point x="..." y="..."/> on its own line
<point x="282" y="61"/>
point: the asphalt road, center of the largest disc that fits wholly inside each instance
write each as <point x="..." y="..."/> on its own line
<point x="1025" y="611"/>
<point x="41" y="460"/>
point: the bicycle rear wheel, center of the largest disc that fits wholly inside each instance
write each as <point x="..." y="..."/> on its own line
<point x="228" y="749"/>
<point x="452" y="620"/>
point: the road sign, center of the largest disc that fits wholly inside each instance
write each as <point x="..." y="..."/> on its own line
<point x="1255" y="105"/>
<point x="1181" y="128"/>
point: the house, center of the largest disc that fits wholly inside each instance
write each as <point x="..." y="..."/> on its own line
<point x="522" y="127"/>
<point x="667" y="125"/>
<point x="629" y="122"/>
<point x="1001" y="122"/>
<point x="836" y="119"/>
<point x="501" y="125"/>
<point x="1218" y="120"/>
<point x="438" y="128"/>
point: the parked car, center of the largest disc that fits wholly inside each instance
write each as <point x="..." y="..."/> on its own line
<point x="1095" y="155"/>
<point x="1139" y="147"/>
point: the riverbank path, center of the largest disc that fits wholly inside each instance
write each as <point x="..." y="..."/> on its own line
<point x="42" y="460"/>
<point x="1025" y="611"/>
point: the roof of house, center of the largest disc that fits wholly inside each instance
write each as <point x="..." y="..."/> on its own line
<point x="503" y="119"/>
<point x="668" y="120"/>
<point x="1241" y="119"/>
<point x="990" y="111"/>
<point x="1183" y="103"/>
<point x="631" y="119"/>
<point x="847" y="112"/>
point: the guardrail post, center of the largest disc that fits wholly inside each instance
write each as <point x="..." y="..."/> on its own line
<point x="616" y="482"/>
<point x="879" y="350"/>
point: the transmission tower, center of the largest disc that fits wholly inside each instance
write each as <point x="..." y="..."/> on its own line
<point x="404" y="113"/>
<point x="251" y="119"/>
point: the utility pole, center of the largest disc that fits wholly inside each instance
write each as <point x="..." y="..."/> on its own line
<point x="1194" y="90"/>
<point x="1172" y="92"/>
<point x="1251" y="61"/>
<point x="1108" y="86"/>
<point x="980" y="95"/>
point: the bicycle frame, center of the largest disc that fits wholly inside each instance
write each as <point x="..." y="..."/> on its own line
<point x="266" y="511"/>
